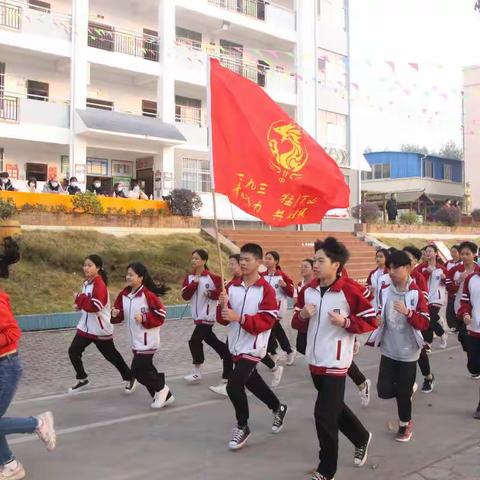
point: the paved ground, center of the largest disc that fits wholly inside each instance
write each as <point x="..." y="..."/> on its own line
<point x="104" y="435"/>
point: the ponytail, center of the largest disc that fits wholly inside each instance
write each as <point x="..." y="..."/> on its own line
<point x="98" y="262"/>
<point x="148" y="282"/>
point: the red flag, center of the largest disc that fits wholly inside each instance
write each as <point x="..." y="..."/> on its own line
<point x="263" y="161"/>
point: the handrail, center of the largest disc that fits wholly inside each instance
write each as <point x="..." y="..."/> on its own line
<point x="8" y="108"/>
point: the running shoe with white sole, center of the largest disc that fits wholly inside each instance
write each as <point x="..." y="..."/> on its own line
<point x="277" y="376"/>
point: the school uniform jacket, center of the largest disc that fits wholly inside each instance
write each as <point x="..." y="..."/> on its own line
<point x="452" y="264"/>
<point x="418" y="316"/>
<point x="144" y="336"/>
<point x="282" y="293"/>
<point x="329" y="347"/>
<point x="377" y="279"/>
<point x="257" y="307"/>
<point x="436" y="280"/>
<point x="9" y="330"/>
<point x="203" y="295"/>
<point x="94" y="304"/>
<point x="455" y="285"/>
<point x="422" y="284"/>
<point x="470" y="303"/>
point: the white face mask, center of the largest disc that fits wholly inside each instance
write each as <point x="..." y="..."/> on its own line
<point x="54" y="184"/>
<point x="73" y="184"/>
<point x="31" y="185"/>
<point x="119" y="188"/>
<point x="136" y="189"/>
<point x="4" y="180"/>
<point x="97" y="184"/>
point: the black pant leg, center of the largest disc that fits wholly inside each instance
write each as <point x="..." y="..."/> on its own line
<point x="434" y="319"/>
<point x="268" y="361"/>
<point x="282" y="338"/>
<point x="328" y="409"/>
<point x="386" y="383"/>
<point x="452" y="321"/>
<point x="145" y="372"/>
<point x="108" y="350"/>
<point x="356" y="375"/>
<point x="196" y="345"/>
<point x="272" y="342"/>
<point x="424" y="363"/>
<point x="301" y="343"/>
<point x="473" y="354"/>
<point x="406" y="372"/>
<point x="236" y="389"/>
<point x="222" y="350"/>
<point x="262" y="391"/>
<point x="463" y="335"/>
<point x="75" y="351"/>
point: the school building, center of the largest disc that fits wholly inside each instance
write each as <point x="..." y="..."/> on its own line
<point x="117" y="89"/>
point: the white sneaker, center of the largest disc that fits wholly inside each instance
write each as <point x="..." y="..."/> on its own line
<point x="193" y="378"/>
<point x="365" y="393"/>
<point x="220" y="389"/>
<point x="291" y="358"/>
<point x="160" y="398"/>
<point x="46" y="431"/>
<point x="131" y="386"/>
<point x="277" y="376"/>
<point x="12" y="471"/>
<point x="443" y="341"/>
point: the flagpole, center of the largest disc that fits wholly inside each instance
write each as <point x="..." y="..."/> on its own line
<point x="212" y="176"/>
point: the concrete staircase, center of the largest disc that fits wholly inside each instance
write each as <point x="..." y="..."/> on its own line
<point x="295" y="246"/>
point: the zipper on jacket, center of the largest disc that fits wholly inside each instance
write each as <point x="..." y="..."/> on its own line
<point x="339" y="349"/>
<point x="241" y="314"/>
<point x="318" y="326"/>
<point x="145" y="338"/>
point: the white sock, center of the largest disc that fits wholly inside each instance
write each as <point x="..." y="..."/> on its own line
<point x="403" y="424"/>
<point x="12" y="465"/>
<point x="197" y="370"/>
<point x="224" y="381"/>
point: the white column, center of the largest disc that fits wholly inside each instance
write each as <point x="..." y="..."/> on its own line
<point x="166" y="80"/>
<point x="306" y="66"/>
<point x="79" y="79"/>
<point x="165" y="164"/>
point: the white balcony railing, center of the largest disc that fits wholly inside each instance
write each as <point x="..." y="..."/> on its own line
<point x="190" y="115"/>
<point x="19" y="16"/>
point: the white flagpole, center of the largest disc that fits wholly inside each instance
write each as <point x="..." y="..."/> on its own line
<point x="212" y="176"/>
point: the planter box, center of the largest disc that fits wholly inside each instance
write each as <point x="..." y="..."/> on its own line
<point x="87" y="220"/>
<point x="428" y="230"/>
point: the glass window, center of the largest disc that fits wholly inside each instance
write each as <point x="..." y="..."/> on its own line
<point x="332" y="68"/>
<point x="428" y="168"/>
<point x="189" y="37"/>
<point x="333" y="12"/>
<point x="97" y="166"/>
<point x="196" y="175"/>
<point x="122" y="168"/>
<point x="447" y="172"/>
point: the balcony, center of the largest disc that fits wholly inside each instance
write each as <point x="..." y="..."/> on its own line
<point x="108" y="38"/>
<point x="191" y="64"/>
<point x="190" y="115"/>
<point x="43" y="30"/>
<point x="252" y="8"/>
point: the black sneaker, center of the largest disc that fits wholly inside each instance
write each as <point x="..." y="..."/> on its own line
<point x="476" y="415"/>
<point x="131" y="386"/>
<point x="362" y="452"/>
<point x="239" y="437"/>
<point x="79" y="386"/>
<point x="428" y="385"/>
<point x="278" y="418"/>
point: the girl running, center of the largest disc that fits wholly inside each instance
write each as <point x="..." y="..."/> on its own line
<point x="306" y="271"/>
<point x="139" y="304"/>
<point x="378" y="277"/>
<point x="203" y="288"/>
<point x="284" y="289"/>
<point x="95" y="326"/>
<point x="452" y="320"/>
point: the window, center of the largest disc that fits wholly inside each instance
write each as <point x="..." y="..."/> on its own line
<point x="332" y="129"/>
<point x="40" y="6"/>
<point x="381" y="170"/>
<point x="149" y="108"/>
<point x="36" y="170"/>
<point x="97" y="167"/>
<point x="428" y="168"/>
<point x="188" y="110"/>
<point x="37" y="90"/>
<point x="64" y="165"/>
<point x="447" y="172"/>
<point x="100" y="104"/>
<point x="122" y="168"/>
<point x="196" y="175"/>
<point x="332" y="68"/>
<point x="262" y="69"/>
<point x="189" y="37"/>
<point x="367" y="175"/>
<point x="333" y="12"/>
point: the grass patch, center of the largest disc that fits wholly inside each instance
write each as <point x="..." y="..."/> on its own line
<point x="51" y="266"/>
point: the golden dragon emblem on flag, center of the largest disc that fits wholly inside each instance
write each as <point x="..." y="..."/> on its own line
<point x="290" y="155"/>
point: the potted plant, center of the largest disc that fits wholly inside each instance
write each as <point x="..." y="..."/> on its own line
<point x="8" y="225"/>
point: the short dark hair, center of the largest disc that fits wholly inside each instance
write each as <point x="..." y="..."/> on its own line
<point x="385" y="251"/>
<point x="473" y="247"/>
<point x="399" y="258"/>
<point x="336" y="251"/>
<point x="32" y="180"/>
<point x="309" y="260"/>
<point x="235" y="256"/>
<point x="433" y="246"/>
<point x="203" y="254"/>
<point x="254" y="248"/>
<point x="413" y="251"/>
<point x="3" y="174"/>
<point x="456" y="247"/>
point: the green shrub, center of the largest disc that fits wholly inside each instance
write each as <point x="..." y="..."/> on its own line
<point x="7" y="208"/>
<point x="408" y="218"/>
<point x="58" y="209"/>
<point x="87" y="202"/>
<point x="366" y="212"/>
<point x="184" y="202"/>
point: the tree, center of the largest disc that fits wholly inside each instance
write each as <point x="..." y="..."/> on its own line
<point x="451" y="150"/>
<point x="412" y="148"/>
